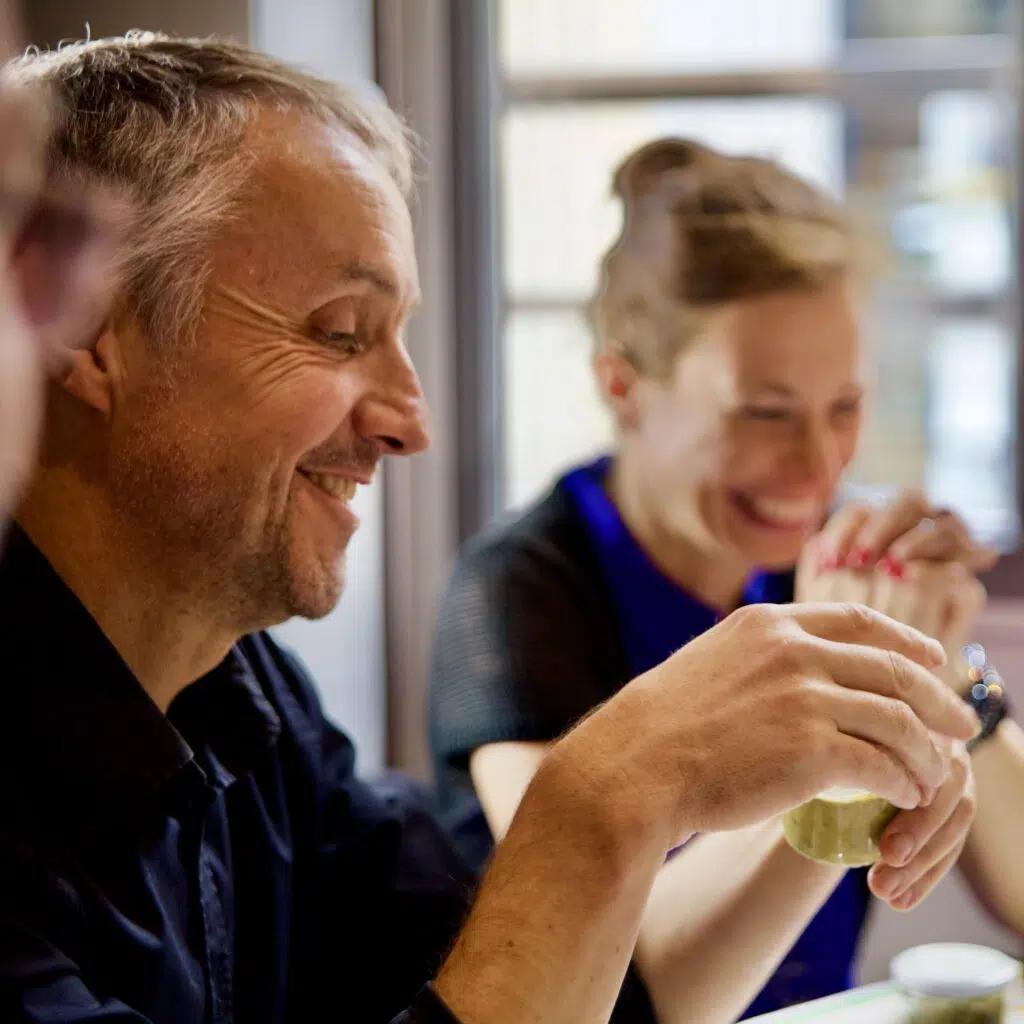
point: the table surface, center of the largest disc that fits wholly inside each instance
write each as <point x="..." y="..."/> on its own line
<point x="883" y="1003"/>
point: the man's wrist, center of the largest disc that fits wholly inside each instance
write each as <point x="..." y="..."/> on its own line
<point x="566" y="884"/>
<point x="614" y="770"/>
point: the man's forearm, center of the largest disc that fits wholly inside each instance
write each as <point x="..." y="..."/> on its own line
<point x="991" y="858"/>
<point x="722" y="915"/>
<point x="556" y="919"/>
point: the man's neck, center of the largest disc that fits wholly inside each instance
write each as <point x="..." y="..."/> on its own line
<point x="159" y="628"/>
<point x="715" y="580"/>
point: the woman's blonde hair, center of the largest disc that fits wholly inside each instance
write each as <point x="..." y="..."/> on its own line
<point x="702" y="229"/>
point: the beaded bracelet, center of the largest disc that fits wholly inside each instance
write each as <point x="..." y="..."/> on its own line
<point x="987" y="693"/>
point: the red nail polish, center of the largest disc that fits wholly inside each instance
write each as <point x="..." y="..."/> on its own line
<point x="892" y="567"/>
<point x="859" y="558"/>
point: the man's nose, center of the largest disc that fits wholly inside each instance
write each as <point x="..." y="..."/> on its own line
<point x="395" y="413"/>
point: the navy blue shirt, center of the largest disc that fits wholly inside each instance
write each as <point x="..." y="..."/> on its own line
<point x="218" y="864"/>
<point x="656" y="618"/>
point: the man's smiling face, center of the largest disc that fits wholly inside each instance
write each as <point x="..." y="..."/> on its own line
<point x="239" y="454"/>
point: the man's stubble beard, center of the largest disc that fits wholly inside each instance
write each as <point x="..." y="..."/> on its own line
<point x="191" y="521"/>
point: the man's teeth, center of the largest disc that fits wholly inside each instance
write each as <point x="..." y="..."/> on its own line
<point x="788" y="512"/>
<point x="336" y="486"/>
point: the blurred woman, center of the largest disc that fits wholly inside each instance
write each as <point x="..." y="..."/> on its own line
<point x="57" y="248"/>
<point x="729" y="352"/>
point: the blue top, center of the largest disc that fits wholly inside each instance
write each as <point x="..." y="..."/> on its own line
<point x="657" y="618"/>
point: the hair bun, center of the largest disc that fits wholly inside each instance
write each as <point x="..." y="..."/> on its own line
<point x="648" y="169"/>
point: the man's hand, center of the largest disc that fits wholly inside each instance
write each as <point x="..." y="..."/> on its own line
<point x="920" y="846"/>
<point x="750" y="719"/>
<point x="772" y="706"/>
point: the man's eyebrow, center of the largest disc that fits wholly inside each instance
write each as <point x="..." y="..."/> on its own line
<point x="360" y="272"/>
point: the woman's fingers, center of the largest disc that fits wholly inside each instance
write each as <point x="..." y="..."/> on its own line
<point x="940" y="539"/>
<point x="920" y="599"/>
<point x="836" y="538"/>
<point x="885" y="526"/>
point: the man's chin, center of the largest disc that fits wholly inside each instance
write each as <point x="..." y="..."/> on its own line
<point x="316" y="598"/>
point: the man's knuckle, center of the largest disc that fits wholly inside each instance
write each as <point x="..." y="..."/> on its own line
<point x="904" y="721"/>
<point x="822" y="748"/>
<point x="803" y="706"/>
<point x="902" y="677"/>
<point x="789" y="651"/>
<point x="860" y="618"/>
<point x="759" y="616"/>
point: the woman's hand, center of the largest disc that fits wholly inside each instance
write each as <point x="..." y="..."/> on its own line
<point x="909" y="529"/>
<point x="941" y="599"/>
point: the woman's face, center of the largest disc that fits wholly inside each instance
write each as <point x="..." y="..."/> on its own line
<point x="743" y="445"/>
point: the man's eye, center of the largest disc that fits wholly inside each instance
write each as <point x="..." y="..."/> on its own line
<point x="342" y="341"/>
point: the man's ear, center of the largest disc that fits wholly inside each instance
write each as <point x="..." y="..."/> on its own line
<point x="618" y="382"/>
<point x="91" y="374"/>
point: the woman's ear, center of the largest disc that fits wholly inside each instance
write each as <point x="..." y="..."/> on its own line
<point x="618" y="382"/>
<point x="91" y="374"/>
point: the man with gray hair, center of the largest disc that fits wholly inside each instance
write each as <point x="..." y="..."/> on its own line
<point x="182" y="837"/>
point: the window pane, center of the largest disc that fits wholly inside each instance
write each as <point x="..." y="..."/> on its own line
<point x="558" y="214"/>
<point x="966" y="179"/>
<point x="972" y="369"/>
<point x="553" y="414"/>
<point x="594" y="37"/>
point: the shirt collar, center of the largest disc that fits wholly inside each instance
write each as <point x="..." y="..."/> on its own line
<point x="657" y="615"/>
<point x="83" y="739"/>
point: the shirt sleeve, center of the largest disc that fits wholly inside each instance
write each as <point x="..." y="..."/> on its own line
<point x="514" y="655"/>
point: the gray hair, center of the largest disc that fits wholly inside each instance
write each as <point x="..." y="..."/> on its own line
<point x="160" y="120"/>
